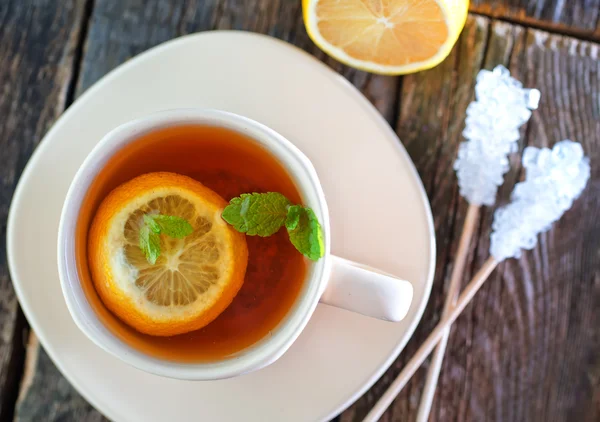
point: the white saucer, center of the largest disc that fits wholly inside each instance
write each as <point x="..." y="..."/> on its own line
<point x="379" y="215"/>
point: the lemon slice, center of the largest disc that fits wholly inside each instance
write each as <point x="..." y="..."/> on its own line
<point x="193" y="280"/>
<point x="390" y="37"/>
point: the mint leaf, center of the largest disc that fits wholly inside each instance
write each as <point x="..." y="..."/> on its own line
<point x="157" y="224"/>
<point x="260" y="214"/>
<point x="172" y="226"/>
<point x="305" y="232"/>
<point x="149" y="243"/>
<point x="293" y="216"/>
<point x="152" y="225"/>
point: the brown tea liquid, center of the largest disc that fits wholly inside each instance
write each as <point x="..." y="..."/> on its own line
<point x="230" y="164"/>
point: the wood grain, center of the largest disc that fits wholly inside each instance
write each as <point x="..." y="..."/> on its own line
<point x="119" y="30"/>
<point x="578" y="17"/>
<point x="504" y="40"/>
<point x="36" y="63"/>
<point x="555" y="290"/>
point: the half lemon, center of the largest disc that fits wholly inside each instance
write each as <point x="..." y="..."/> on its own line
<point x="389" y="37"/>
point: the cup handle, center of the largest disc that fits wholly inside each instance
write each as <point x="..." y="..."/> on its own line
<point x="368" y="291"/>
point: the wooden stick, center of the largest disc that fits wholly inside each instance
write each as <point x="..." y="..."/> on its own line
<point x="428" y="345"/>
<point x="455" y="279"/>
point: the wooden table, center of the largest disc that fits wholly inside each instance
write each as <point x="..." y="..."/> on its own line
<point x="526" y="349"/>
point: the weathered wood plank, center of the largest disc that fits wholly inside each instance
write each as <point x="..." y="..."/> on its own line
<point x="465" y="356"/>
<point x="550" y="302"/>
<point x="579" y="17"/>
<point x="118" y="31"/>
<point x="459" y="363"/>
<point x="36" y="54"/>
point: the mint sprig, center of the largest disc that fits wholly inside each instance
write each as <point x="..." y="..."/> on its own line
<point x="156" y="224"/>
<point x="263" y="214"/>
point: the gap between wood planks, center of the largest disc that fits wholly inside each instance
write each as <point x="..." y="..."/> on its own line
<point x="78" y="55"/>
<point x="551" y="28"/>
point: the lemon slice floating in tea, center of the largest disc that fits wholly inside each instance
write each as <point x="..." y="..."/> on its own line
<point x="192" y="281"/>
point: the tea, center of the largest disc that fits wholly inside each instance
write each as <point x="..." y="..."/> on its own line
<point x="230" y="164"/>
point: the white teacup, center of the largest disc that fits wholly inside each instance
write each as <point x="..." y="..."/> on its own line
<point x="330" y="280"/>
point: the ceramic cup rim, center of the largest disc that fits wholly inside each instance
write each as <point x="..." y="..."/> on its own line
<point x="266" y="350"/>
